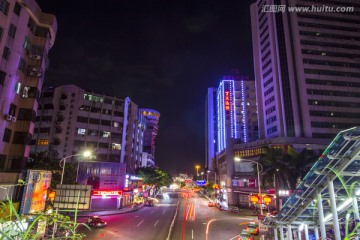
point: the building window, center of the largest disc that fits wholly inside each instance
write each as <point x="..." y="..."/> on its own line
<point x="17" y="8"/>
<point x="6" y="53"/>
<point x="42" y="142"/>
<point x="2" y="77"/>
<point x="116" y="146"/>
<point x="25" y="114"/>
<point x="22" y="65"/>
<point x="12" y="31"/>
<point x="7" y="135"/>
<point x="4" y="6"/>
<point x="81" y="131"/>
<point x="2" y="161"/>
<point x="106" y="134"/>
<point x="27" y="44"/>
<point x="20" y="138"/>
<point x="31" y="24"/>
<point x="1" y="32"/>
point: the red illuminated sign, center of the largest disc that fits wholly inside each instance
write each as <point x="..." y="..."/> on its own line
<point x="227" y="100"/>
<point x="107" y="192"/>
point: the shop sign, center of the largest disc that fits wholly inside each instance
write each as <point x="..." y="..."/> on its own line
<point x="107" y="192"/>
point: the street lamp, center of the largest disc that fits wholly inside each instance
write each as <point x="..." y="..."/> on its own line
<point x="237" y="159"/>
<point x="86" y="153"/>
<point x="197" y="170"/>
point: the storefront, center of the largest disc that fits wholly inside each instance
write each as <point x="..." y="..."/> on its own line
<point x="106" y="199"/>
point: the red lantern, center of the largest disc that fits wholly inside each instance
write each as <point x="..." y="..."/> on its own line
<point x="267" y="200"/>
<point x="254" y="199"/>
<point x="51" y="196"/>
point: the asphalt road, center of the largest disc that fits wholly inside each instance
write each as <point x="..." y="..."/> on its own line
<point x="148" y="223"/>
<point x="195" y="220"/>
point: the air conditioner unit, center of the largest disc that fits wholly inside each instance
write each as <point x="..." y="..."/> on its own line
<point x="13" y="119"/>
<point x="8" y="117"/>
<point x="36" y="57"/>
<point x="35" y="74"/>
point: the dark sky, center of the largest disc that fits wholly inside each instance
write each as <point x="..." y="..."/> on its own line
<point x="163" y="54"/>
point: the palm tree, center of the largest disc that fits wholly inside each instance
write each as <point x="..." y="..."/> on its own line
<point x="277" y="167"/>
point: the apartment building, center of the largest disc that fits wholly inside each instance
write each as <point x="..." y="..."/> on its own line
<point x="26" y="37"/>
<point x="307" y="67"/>
<point x="71" y="119"/>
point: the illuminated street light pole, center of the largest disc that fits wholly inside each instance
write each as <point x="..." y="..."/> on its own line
<point x="197" y="170"/>
<point x="237" y="159"/>
<point x="84" y="154"/>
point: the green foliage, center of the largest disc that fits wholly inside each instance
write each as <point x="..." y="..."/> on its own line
<point x="41" y="161"/>
<point x="154" y="177"/>
<point x="13" y="225"/>
<point x="287" y="169"/>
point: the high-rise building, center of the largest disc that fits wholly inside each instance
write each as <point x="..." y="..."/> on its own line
<point x="26" y="37"/>
<point x="71" y="119"/>
<point x="236" y="110"/>
<point x="210" y="127"/>
<point x="307" y="67"/>
<point x="152" y="127"/>
<point x="231" y="112"/>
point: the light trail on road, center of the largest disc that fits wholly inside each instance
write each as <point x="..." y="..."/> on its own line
<point x="216" y="219"/>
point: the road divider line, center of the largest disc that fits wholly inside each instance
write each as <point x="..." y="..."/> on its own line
<point x="163" y="211"/>
<point x="156" y="223"/>
<point x="192" y="233"/>
<point x="140" y="223"/>
<point x="173" y="221"/>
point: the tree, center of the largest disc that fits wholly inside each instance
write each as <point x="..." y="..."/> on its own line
<point x="154" y="177"/>
<point x="303" y="163"/>
<point x="40" y="160"/>
<point x="277" y="167"/>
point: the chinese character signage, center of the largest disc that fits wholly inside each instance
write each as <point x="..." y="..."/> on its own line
<point x="36" y="190"/>
<point x="227" y="101"/>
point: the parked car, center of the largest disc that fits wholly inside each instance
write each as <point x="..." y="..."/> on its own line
<point x="211" y="204"/>
<point x="96" y="221"/>
<point x="253" y="228"/>
<point x="245" y="235"/>
<point x="149" y="203"/>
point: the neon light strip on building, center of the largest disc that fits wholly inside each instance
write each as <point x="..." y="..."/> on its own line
<point x="226" y="110"/>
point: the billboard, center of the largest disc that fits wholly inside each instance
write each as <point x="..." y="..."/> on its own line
<point x="71" y="196"/>
<point x="35" y="191"/>
<point x="102" y="175"/>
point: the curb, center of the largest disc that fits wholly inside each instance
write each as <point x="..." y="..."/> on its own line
<point x="108" y="212"/>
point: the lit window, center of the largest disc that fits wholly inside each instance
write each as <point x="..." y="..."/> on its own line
<point x="81" y="131"/>
<point x="116" y="124"/>
<point x="106" y="134"/>
<point x="42" y="142"/>
<point x="18" y="88"/>
<point x="116" y="146"/>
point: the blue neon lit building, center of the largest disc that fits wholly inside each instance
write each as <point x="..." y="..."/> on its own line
<point x="236" y="110"/>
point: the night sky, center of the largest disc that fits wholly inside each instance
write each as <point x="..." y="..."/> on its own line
<point x="163" y="54"/>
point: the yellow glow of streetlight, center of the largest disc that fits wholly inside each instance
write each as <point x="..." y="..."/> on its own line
<point x="197" y="169"/>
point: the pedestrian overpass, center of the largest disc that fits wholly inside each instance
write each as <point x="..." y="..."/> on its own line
<point x="327" y="197"/>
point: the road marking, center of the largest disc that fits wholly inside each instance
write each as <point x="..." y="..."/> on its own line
<point x="156" y="223"/>
<point x="140" y="223"/>
<point x="235" y="237"/>
<point x="163" y="211"/>
<point x="136" y="216"/>
<point x="151" y="212"/>
<point x="192" y="233"/>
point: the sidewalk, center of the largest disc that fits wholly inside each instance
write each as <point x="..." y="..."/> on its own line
<point x="126" y="209"/>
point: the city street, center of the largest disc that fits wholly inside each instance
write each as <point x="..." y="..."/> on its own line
<point x="146" y="223"/>
<point x="195" y="220"/>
